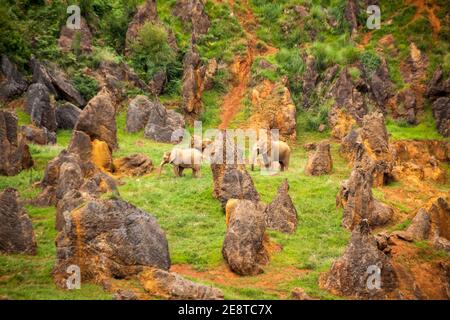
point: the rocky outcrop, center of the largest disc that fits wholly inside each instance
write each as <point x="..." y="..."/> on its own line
<point x="243" y="247"/>
<point x="350" y="275"/>
<point x="138" y="113"/>
<point x="433" y="224"/>
<point x="67" y="115"/>
<point x="309" y="81"/>
<point x="35" y="135"/>
<point x="40" y="107"/>
<point x="134" y="165"/>
<point x="231" y="179"/>
<point x="164" y="125"/>
<point x="273" y="108"/>
<point x="320" y="162"/>
<point x="380" y="85"/>
<point x="16" y="230"/>
<point x="192" y="12"/>
<point x="417" y="161"/>
<point x="439" y="85"/>
<point x="441" y="112"/>
<point x="98" y="119"/>
<point x="281" y="214"/>
<point x="156" y="85"/>
<point x="109" y="239"/>
<point x="12" y="83"/>
<point x="56" y="81"/>
<point x="356" y="195"/>
<point x="341" y="123"/>
<point x="15" y="155"/>
<point x="193" y="74"/>
<point x="76" y="39"/>
<point x="170" y="285"/>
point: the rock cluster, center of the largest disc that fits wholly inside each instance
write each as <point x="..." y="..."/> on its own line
<point x="320" y="162"/>
<point x="192" y="12"/>
<point x="15" y="155"/>
<point x="438" y="92"/>
<point x="16" y="230"/>
<point x="12" y="83"/>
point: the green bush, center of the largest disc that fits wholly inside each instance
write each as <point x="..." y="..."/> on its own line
<point x="87" y="86"/>
<point x="370" y="61"/>
<point x="150" y="51"/>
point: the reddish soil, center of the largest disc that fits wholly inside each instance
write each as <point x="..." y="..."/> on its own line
<point x="269" y="281"/>
<point x="241" y="67"/>
<point x="428" y="8"/>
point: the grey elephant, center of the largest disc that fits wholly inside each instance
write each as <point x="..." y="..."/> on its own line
<point x="182" y="159"/>
<point x="263" y="149"/>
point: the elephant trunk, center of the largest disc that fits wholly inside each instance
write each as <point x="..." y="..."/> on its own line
<point x="161" y="167"/>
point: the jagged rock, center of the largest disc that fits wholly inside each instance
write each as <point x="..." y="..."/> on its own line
<point x="36" y="135"/>
<point x="441" y="112"/>
<point x="299" y="294"/>
<point x="16" y="230"/>
<point x="356" y="196"/>
<point x="68" y="36"/>
<point x="80" y="144"/>
<point x="273" y="108"/>
<point x="125" y="295"/>
<point x="349" y="275"/>
<point x="134" y="165"/>
<point x="439" y="85"/>
<point x="101" y="155"/>
<point x="381" y="85"/>
<point x="320" y="162"/>
<point x="281" y="214"/>
<point x="192" y="12"/>
<point x="164" y="125"/>
<point x="406" y="106"/>
<point x="348" y="96"/>
<point x="310" y="78"/>
<point x="192" y="82"/>
<point x="209" y="73"/>
<point x="231" y="179"/>
<point x="375" y="139"/>
<point x="170" y="285"/>
<point x="138" y="113"/>
<point x="420" y="226"/>
<point x="341" y="123"/>
<point x="351" y="13"/>
<point x="56" y="81"/>
<point x="98" y="119"/>
<point x="40" y="108"/>
<point x="109" y="239"/>
<point x="158" y="82"/>
<point x="243" y="247"/>
<point x="67" y="115"/>
<point x="15" y="155"/>
<point x="419" y="160"/>
<point x="350" y="144"/>
<point x="12" y="82"/>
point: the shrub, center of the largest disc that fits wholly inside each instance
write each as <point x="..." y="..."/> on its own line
<point x="87" y="86"/>
<point x="150" y="51"/>
<point x="370" y="61"/>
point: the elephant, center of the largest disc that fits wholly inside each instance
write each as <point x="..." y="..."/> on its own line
<point x="199" y="143"/>
<point x="264" y="150"/>
<point x="183" y="159"/>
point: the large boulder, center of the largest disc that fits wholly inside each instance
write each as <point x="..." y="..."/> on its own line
<point x="12" y="83"/>
<point x="134" y="165"/>
<point x="16" y="229"/>
<point x="357" y="199"/>
<point x="170" y="285"/>
<point x="192" y="12"/>
<point x="320" y="162"/>
<point x="281" y="214"/>
<point x="40" y="107"/>
<point x="67" y="115"/>
<point x="35" y="135"/>
<point x="433" y="224"/>
<point x="350" y="275"/>
<point x="164" y="125"/>
<point x="69" y="38"/>
<point x="138" y="113"/>
<point x="381" y="85"/>
<point x="439" y="85"/>
<point x="243" y="247"/>
<point x="231" y="179"/>
<point x="56" y="81"/>
<point x="109" y="239"/>
<point x="98" y="119"/>
<point x="15" y="155"/>
<point x="441" y="112"/>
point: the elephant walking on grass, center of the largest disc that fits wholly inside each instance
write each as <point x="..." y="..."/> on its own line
<point x="182" y="159"/>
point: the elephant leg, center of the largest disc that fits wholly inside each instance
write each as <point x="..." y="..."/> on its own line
<point x="196" y="172"/>
<point x="176" y="171"/>
<point x="180" y="171"/>
<point x="282" y="166"/>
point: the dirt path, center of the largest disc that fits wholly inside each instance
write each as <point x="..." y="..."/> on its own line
<point x="241" y="67"/>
